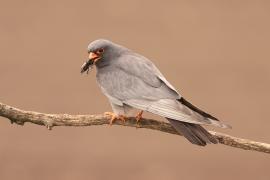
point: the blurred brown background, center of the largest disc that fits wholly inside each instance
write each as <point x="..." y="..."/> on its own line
<point x="216" y="53"/>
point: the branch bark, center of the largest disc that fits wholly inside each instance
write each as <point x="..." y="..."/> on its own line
<point x="19" y="116"/>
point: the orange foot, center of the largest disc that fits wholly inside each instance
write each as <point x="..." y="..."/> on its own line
<point x="139" y="116"/>
<point x="115" y="117"/>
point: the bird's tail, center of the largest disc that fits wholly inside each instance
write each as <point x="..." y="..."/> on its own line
<point x="195" y="133"/>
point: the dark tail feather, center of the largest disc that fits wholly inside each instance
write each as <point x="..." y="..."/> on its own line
<point x="195" y="133"/>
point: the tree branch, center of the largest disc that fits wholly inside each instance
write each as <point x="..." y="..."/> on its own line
<point x="49" y="120"/>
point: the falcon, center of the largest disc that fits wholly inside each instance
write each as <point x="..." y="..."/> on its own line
<point x="130" y="81"/>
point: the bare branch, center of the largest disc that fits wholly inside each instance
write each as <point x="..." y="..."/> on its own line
<point x="49" y="120"/>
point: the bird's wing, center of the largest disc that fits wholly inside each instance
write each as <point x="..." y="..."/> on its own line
<point x="173" y="109"/>
<point x="141" y="67"/>
<point x="119" y="85"/>
<point x="132" y="77"/>
<point x="144" y="69"/>
<point x="164" y="107"/>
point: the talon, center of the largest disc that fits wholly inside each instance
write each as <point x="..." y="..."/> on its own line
<point x="139" y="116"/>
<point x="115" y="117"/>
<point x="122" y="118"/>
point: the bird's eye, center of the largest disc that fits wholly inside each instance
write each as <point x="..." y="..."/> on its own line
<point x="99" y="51"/>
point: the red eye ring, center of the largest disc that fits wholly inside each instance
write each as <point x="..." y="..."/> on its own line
<point x="99" y="51"/>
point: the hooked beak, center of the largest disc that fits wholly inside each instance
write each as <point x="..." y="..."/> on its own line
<point x="93" y="57"/>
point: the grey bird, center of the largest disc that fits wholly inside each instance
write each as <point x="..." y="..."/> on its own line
<point x="131" y="81"/>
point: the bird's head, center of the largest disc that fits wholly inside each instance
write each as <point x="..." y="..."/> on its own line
<point x="101" y="52"/>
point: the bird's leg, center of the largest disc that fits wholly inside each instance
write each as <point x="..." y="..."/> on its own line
<point x="115" y="117"/>
<point x="139" y="116"/>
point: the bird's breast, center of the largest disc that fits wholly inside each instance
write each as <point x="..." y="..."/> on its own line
<point x="114" y="82"/>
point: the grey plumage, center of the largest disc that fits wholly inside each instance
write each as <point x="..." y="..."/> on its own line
<point x="195" y="133"/>
<point x="130" y="80"/>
